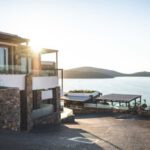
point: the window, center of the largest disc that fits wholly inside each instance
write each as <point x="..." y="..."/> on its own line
<point x="3" y="59"/>
<point x="23" y="65"/>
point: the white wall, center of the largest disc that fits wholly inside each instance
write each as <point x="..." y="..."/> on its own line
<point x="10" y="80"/>
<point x="17" y="80"/>
<point x="44" y="82"/>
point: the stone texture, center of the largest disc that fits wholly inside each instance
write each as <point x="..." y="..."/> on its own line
<point x="10" y="108"/>
<point x="95" y="110"/>
<point x="50" y="119"/>
<point x="56" y="100"/>
<point x="29" y="99"/>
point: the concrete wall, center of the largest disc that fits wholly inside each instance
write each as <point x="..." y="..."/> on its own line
<point x="44" y="82"/>
<point x="13" y="80"/>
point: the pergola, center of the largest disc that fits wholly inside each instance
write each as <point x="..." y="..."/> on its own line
<point x="120" y="98"/>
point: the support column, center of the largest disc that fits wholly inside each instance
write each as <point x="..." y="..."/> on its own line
<point x="56" y="102"/>
<point x="140" y="100"/>
<point x="56" y="60"/>
<point x="62" y="77"/>
<point x="36" y="63"/>
<point x="135" y="103"/>
<point x="112" y="103"/>
<point x="29" y="101"/>
<point x="119" y="103"/>
<point x="129" y="105"/>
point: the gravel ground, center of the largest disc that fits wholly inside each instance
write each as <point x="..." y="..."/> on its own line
<point x="89" y="132"/>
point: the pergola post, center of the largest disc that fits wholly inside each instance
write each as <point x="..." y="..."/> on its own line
<point x="128" y="104"/>
<point x="119" y="103"/>
<point x="56" y="60"/>
<point x="135" y="103"/>
<point x="140" y="100"/>
<point x="112" y="103"/>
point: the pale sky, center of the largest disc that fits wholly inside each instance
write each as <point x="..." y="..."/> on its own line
<point x="110" y="34"/>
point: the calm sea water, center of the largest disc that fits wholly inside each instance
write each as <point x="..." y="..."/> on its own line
<point x="122" y="85"/>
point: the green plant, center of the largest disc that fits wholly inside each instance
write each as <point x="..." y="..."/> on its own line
<point x="144" y="105"/>
<point x="82" y="91"/>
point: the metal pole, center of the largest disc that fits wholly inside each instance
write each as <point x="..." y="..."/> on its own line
<point x="135" y="103"/>
<point x="140" y="100"/>
<point x="62" y="76"/>
<point x="56" y="60"/>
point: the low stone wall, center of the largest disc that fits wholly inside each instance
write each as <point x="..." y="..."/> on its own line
<point x="10" y="108"/>
<point x="50" y="119"/>
<point x="94" y="110"/>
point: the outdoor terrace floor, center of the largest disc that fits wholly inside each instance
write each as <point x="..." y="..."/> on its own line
<point x="101" y="131"/>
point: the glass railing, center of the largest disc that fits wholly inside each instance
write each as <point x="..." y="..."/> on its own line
<point x="18" y="69"/>
<point x="12" y="69"/>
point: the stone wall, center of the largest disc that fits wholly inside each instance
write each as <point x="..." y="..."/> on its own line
<point x="50" y="119"/>
<point x="29" y="101"/>
<point x="95" y="110"/>
<point x="10" y="108"/>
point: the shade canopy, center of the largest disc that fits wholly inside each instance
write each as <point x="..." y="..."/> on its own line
<point x="118" y="97"/>
<point x="76" y="98"/>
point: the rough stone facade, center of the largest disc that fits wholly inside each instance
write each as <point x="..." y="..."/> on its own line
<point x="10" y="108"/>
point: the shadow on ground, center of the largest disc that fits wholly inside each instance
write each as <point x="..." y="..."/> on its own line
<point x="48" y="138"/>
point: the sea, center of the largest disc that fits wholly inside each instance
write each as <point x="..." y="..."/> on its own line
<point x="119" y="85"/>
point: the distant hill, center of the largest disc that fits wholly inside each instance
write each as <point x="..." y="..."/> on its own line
<point x="141" y="74"/>
<point x="91" y="72"/>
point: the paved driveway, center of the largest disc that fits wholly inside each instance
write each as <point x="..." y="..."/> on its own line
<point x="90" y="132"/>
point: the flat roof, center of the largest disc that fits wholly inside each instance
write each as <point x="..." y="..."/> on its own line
<point x="76" y="98"/>
<point x="12" y="38"/>
<point x="118" y="97"/>
<point x="48" y="50"/>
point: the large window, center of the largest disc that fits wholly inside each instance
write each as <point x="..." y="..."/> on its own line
<point x="3" y="59"/>
<point x="26" y="64"/>
<point x="23" y="64"/>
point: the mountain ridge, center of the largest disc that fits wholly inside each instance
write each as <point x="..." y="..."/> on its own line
<point x="93" y="72"/>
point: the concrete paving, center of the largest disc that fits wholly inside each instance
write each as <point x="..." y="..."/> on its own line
<point x="90" y="132"/>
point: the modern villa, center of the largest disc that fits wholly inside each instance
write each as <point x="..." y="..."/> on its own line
<point x="29" y="86"/>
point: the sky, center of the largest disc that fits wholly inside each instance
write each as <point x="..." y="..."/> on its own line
<point x="110" y="34"/>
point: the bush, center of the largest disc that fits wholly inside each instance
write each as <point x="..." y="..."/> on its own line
<point x="144" y="106"/>
<point x="82" y="91"/>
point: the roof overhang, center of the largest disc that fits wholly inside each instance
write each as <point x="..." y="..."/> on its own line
<point x="47" y="50"/>
<point x="12" y="38"/>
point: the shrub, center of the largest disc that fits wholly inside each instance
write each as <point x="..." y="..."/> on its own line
<point x="82" y="91"/>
